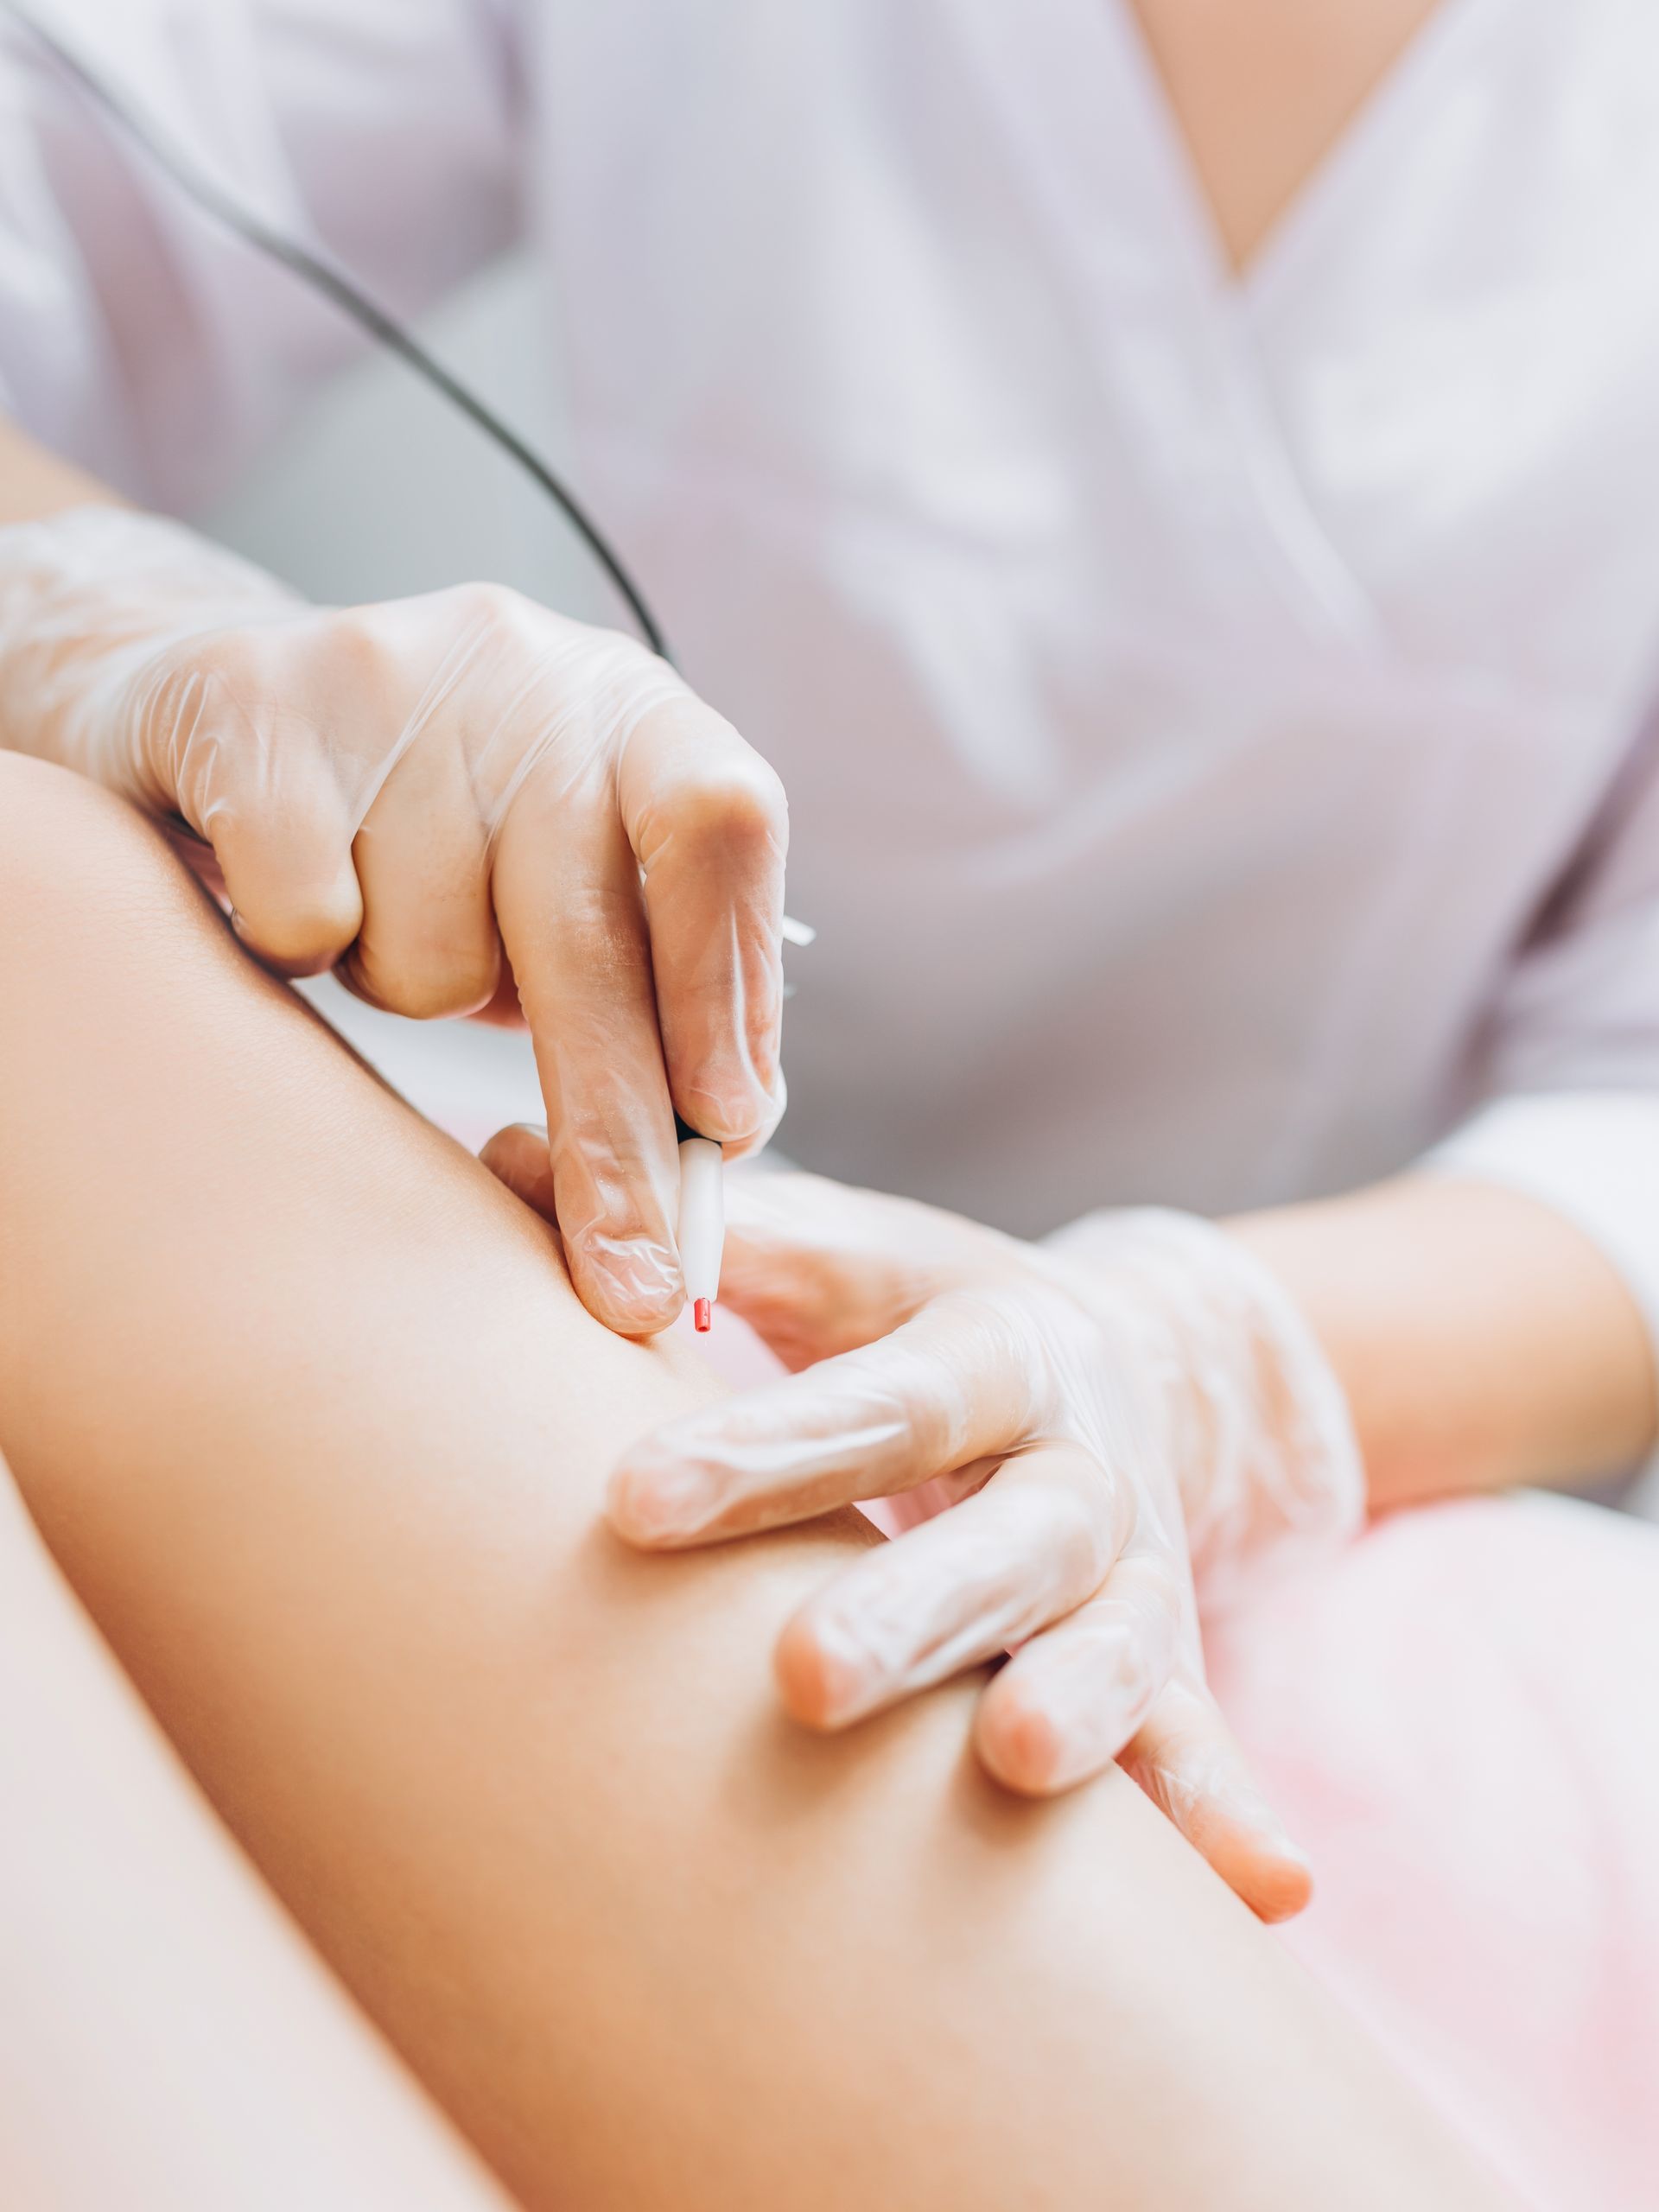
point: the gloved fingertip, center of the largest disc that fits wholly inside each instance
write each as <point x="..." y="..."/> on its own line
<point x="1283" y="1894"/>
<point x="656" y="1502"/>
<point x="824" y="1677"/>
<point x="1019" y="1746"/>
<point x="514" y="1140"/>
<point x="1273" y="1875"/>
<point x="631" y="1284"/>
<point x="1061" y="1711"/>
<point x="1223" y="1814"/>
<point x="733" y="1114"/>
<point x="518" y="1158"/>
<point x="633" y="1310"/>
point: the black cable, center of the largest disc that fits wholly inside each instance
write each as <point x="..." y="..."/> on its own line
<point x="312" y="269"/>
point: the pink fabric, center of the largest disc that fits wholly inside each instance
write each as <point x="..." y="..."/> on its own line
<point x="1458" y="1721"/>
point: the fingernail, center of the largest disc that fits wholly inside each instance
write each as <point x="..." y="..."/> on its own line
<point x="1252" y="1811"/>
<point x="650" y="1501"/>
<point x="730" y="1111"/>
<point x="1284" y="1846"/>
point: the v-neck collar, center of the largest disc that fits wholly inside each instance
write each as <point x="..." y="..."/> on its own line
<point x="1075" y="87"/>
<point x="1384" y="120"/>
<point x="1384" y="113"/>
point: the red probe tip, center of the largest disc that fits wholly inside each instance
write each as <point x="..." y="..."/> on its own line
<point x="702" y="1314"/>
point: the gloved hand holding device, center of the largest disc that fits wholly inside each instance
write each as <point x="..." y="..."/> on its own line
<point x="403" y="791"/>
<point x="1072" y="1435"/>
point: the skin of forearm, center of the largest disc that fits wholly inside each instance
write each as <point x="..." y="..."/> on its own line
<point x="307" y="1409"/>
<point x="1482" y="1338"/>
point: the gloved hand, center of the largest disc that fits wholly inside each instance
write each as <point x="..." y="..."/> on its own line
<point x="400" y="792"/>
<point x="1098" y="1425"/>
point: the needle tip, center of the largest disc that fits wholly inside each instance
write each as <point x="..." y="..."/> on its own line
<point x="702" y="1314"/>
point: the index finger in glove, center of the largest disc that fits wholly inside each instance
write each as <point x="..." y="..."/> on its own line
<point x="708" y="825"/>
<point x="566" y="899"/>
<point x="966" y="1379"/>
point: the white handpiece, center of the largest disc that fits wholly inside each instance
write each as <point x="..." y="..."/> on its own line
<point x="702" y="1223"/>
<point x="703" y="1207"/>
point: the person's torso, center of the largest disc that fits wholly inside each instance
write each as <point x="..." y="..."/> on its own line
<point x="1187" y="692"/>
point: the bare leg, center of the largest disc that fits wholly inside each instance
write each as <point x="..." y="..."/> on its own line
<point x="168" y="2042"/>
<point x="308" y="1412"/>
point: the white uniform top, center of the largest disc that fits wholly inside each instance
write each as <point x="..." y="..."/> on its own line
<point x="1213" y="712"/>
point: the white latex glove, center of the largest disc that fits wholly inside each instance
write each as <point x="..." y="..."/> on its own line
<point x="400" y="792"/>
<point x="1095" y="1426"/>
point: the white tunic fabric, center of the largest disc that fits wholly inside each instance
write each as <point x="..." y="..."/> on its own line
<point x="1217" y="716"/>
